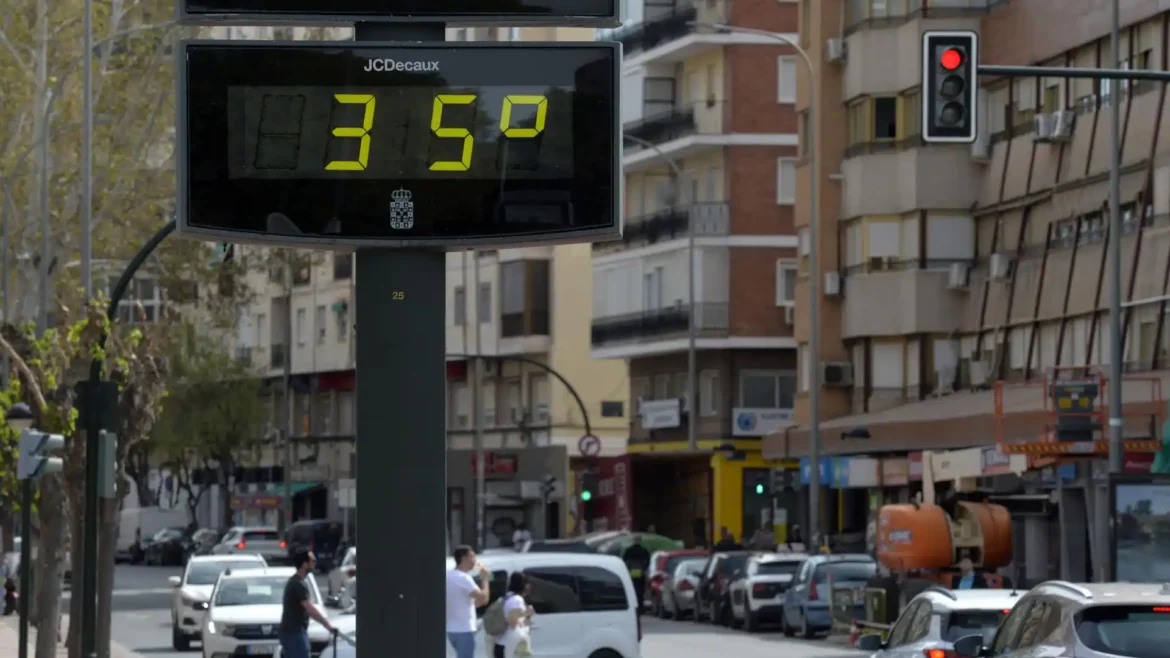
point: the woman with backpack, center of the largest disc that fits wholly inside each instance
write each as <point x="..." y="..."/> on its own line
<point x="506" y="620"/>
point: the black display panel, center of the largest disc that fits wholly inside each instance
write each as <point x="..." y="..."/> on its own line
<point x="595" y="13"/>
<point x="362" y="144"/>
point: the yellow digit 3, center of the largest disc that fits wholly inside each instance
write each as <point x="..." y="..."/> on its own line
<point x="464" y="162"/>
<point x="363" y="133"/>
<point x="541" y="103"/>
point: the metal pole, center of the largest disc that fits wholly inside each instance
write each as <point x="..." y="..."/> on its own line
<point x="1116" y="340"/>
<point x="26" y="588"/>
<point x="692" y="328"/>
<point x="87" y="150"/>
<point x="814" y="339"/>
<point x="286" y="501"/>
<point x="477" y="404"/>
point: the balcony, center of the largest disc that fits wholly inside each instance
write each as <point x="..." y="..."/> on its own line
<point x="861" y="14"/>
<point x="710" y="318"/>
<point x="666" y="33"/>
<point x="680" y="130"/>
<point x="902" y="302"/>
<point x="709" y="219"/>
<point x="525" y="307"/>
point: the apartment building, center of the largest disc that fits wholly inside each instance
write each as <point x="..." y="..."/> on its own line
<point x="948" y="268"/>
<point x="710" y="184"/>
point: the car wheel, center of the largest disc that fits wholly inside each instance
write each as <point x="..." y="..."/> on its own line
<point x="749" y="620"/>
<point x="676" y="612"/>
<point x="806" y="631"/>
<point x="179" y="641"/>
<point x="784" y="627"/>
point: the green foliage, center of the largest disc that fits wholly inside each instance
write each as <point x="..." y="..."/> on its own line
<point x="9" y="441"/>
<point x="214" y="412"/>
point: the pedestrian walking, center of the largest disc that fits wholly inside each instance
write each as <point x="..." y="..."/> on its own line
<point x="637" y="560"/>
<point x="464" y="595"/>
<point x="727" y="541"/>
<point x="515" y="642"/>
<point x="297" y="608"/>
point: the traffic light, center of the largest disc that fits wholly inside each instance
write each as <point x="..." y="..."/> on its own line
<point x="34" y="460"/>
<point x="588" y="498"/>
<point x="760" y="490"/>
<point x="950" y="85"/>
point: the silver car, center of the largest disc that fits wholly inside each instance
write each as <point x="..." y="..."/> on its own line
<point x="932" y="621"/>
<point x="1098" y="620"/>
<point x="677" y="599"/>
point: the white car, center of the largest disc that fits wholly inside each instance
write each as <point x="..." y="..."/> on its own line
<point x="585" y="604"/>
<point x="243" y="616"/>
<point x="192" y="591"/>
<point x="265" y="542"/>
<point x="757" y="594"/>
<point x="932" y="621"/>
<point x="339" y="577"/>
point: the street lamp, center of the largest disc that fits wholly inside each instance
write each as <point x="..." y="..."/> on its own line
<point x="814" y="339"/>
<point x="20" y="419"/>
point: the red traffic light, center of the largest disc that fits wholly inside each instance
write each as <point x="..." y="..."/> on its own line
<point x="951" y="59"/>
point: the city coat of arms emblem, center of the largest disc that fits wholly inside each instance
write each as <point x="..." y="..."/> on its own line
<point x="401" y="210"/>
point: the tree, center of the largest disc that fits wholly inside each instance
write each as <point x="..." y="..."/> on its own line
<point x="213" y="417"/>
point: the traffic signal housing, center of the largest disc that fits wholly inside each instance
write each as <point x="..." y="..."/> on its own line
<point x="950" y="86"/>
<point x="35" y="460"/>
<point x="588" y="494"/>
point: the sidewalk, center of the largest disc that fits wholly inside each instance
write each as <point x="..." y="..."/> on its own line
<point x="10" y="641"/>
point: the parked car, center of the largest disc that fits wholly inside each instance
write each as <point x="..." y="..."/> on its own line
<point x="346" y="571"/>
<point x="204" y="540"/>
<point x="757" y="593"/>
<point x="168" y="547"/>
<point x="808" y="601"/>
<point x="265" y="542"/>
<point x="662" y="565"/>
<point x="1098" y="620"/>
<point x="712" y="600"/>
<point x="932" y="621"/>
<point x="678" y="589"/>
<point x="590" y="543"/>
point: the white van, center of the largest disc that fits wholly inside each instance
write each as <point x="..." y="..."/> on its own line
<point x="585" y="604"/>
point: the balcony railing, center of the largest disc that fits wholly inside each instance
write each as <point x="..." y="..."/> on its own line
<point x="659" y="322"/>
<point x="866" y="13"/>
<point x="709" y="218"/>
<point x="666" y="21"/>
<point x="682" y="120"/>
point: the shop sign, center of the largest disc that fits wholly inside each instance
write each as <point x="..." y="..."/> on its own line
<point x="858" y="472"/>
<point x="896" y="471"/>
<point x="660" y="414"/>
<point x="759" y="422"/>
<point x="826" y="470"/>
<point x="256" y="501"/>
<point x="498" y="465"/>
<point x="915" y="463"/>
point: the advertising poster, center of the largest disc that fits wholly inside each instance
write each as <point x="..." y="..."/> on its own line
<point x="1141" y="530"/>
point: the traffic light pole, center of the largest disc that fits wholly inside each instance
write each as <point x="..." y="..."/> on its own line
<point x="26" y="589"/>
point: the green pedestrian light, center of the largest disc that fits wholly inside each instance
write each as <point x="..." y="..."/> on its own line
<point x="759" y="489"/>
<point x="586" y="496"/>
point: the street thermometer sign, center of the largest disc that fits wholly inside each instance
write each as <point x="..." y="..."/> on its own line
<point x="587" y="13"/>
<point x="421" y="144"/>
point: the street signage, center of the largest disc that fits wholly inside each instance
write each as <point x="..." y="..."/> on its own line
<point x="399" y="145"/>
<point x="589" y="445"/>
<point x="587" y="13"/>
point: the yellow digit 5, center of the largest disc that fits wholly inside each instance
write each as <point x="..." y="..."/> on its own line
<point x="363" y="133"/>
<point x="464" y="162"/>
<point x="541" y="103"/>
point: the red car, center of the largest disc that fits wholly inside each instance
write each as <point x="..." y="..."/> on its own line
<point x="662" y="564"/>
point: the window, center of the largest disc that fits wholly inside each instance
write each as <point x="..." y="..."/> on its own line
<point x="765" y="390"/>
<point x="802" y="238"/>
<point x="1125" y="630"/>
<point x="961" y="623"/>
<point x="901" y="630"/>
<point x="804" y="135"/>
<point x="554" y="590"/>
<point x="709" y="401"/>
<point x="515" y="402"/>
<point x="662" y="387"/>
<point x="912" y="113"/>
<point x="786" y="79"/>
<point x="485" y="303"/>
<point x="601" y="590"/>
<point x="142" y="302"/>
<point x="342" y="266"/>
<point x="805" y="364"/>
<point x="652" y="289"/>
<point x="300" y="326"/>
<point x="778" y="568"/>
<point x="261" y="329"/>
<point x="1005" y="638"/>
<point x="460" y="406"/>
<point x="1044" y="618"/>
<point x="459" y="306"/>
<point x="786" y="272"/>
<point x="858" y="123"/>
<point x="319" y="323"/>
<point x="785" y="181"/>
<point x="885" y="118"/>
<point x="342" y="317"/>
<point x="845" y="571"/>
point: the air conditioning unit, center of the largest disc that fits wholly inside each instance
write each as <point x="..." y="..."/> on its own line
<point x="832" y="284"/>
<point x="836" y="49"/>
<point x="1043" y="127"/>
<point x="1062" y="125"/>
<point x="999" y="266"/>
<point x="960" y="275"/>
<point x="789" y="315"/>
<point x="981" y="148"/>
<point x="837" y="374"/>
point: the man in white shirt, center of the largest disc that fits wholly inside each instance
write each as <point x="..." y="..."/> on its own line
<point x="463" y="597"/>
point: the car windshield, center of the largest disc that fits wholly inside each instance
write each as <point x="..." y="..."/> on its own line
<point x="256" y="590"/>
<point x="673" y="561"/>
<point x="732" y="563"/>
<point x="777" y="568"/>
<point x="961" y="623"/>
<point x="206" y="573"/>
<point x="691" y="567"/>
<point x="261" y="535"/>
<point x="1137" y="631"/>
<point x="843" y="571"/>
<point x="168" y="533"/>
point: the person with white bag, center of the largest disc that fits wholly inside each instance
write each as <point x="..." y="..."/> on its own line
<point x="515" y="642"/>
